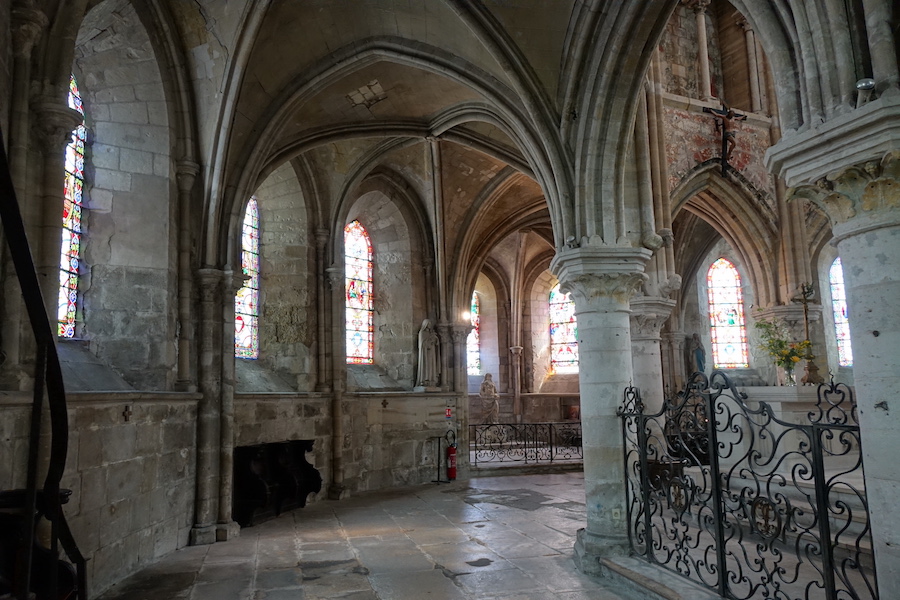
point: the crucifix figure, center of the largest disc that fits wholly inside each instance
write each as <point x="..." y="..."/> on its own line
<point x="724" y="116"/>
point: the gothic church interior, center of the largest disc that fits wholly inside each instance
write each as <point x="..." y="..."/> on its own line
<point x="325" y="222"/>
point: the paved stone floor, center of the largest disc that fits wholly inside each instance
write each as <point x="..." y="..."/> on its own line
<point x="489" y="538"/>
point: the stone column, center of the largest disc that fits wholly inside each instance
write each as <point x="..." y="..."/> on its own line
<point x="185" y="174"/>
<point x="705" y="83"/>
<point x="335" y="278"/>
<point x="322" y="370"/>
<point x="226" y="527"/>
<point x="444" y="330"/>
<point x="647" y="318"/>
<point x="516" y="372"/>
<point x="602" y="282"/>
<point x="53" y="126"/>
<point x="674" y="368"/>
<point x="863" y="202"/>
<point x="209" y="408"/>
<point x="459" y="334"/>
<point x="752" y="66"/>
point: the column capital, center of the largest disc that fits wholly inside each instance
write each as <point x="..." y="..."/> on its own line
<point x="459" y="333"/>
<point x="859" y="198"/>
<point x="210" y="283"/>
<point x="54" y="124"/>
<point x="234" y="281"/>
<point x="745" y="25"/>
<point x="28" y="22"/>
<point x="321" y="237"/>
<point x="334" y="276"/>
<point x="186" y="172"/>
<point x="590" y="273"/>
<point x="648" y="314"/>
<point x="698" y="6"/>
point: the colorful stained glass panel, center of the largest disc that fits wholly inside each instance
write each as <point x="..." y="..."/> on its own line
<point x="360" y="314"/>
<point x="246" y="301"/>
<point x="563" y="333"/>
<point x="726" y="316"/>
<point x="70" y="251"/>
<point x="473" y="341"/>
<point x="839" y="309"/>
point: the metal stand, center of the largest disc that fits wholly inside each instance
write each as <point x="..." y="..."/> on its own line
<point x="438" y="453"/>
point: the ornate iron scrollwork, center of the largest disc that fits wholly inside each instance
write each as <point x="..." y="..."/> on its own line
<point x="727" y="493"/>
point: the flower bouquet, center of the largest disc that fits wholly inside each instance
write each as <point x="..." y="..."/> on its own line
<point x="776" y="341"/>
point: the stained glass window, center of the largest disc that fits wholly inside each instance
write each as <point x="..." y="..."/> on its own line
<point x="246" y="301"/>
<point x="726" y="316"/>
<point x="473" y="342"/>
<point x="839" y="308"/>
<point x="360" y="315"/>
<point x="70" y="252"/>
<point x="563" y="333"/>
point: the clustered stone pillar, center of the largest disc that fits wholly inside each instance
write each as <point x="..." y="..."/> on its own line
<point x="186" y="174"/>
<point x="336" y="489"/>
<point x="602" y="281"/>
<point x="516" y="376"/>
<point x="209" y="407"/>
<point x="226" y="527"/>
<point x="647" y="318"/>
<point x="322" y="370"/>
<point x="864" y="205"/>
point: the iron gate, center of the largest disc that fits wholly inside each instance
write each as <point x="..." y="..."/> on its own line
<point x="722" y="490"/>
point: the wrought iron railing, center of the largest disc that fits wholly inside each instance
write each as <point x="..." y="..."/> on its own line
<point x="724" y="492"/>
<point x="527" y="443"/>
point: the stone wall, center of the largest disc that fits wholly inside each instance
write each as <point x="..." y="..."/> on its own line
<point x="132" y="478"/>
<point x="127" y="283"/>
<point x="389" y="438"/>
<point x="691" y="139"/>
<point x="6" y="68"/>
<point x="287" y="289"/>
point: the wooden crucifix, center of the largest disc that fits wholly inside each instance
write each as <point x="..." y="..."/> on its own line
<point x="804" y="297"/>
<point x="724" y="116"/>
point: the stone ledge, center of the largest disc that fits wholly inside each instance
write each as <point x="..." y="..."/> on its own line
<point x="643" y="580"/>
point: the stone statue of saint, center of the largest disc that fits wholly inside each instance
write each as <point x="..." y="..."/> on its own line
<point x="490" y="403"/>
<point x="429" y="356"/>
<point x="697" y="355"/>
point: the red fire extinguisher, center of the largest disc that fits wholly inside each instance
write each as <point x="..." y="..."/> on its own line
<point x="451" y="455"/>
<point x="451" y="461"/>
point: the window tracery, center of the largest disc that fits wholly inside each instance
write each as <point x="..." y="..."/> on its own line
<point x="839" y="310"/>
<point x="473" y="341"/>
<point x="246" y="301"/>
<point x="563" y="333"/>
<point x="73" y="208"/>
<point x="726" y="316"/>
<point x="360" y="314"/>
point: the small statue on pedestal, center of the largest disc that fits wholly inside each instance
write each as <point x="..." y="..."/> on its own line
<point x="490" y="403"/>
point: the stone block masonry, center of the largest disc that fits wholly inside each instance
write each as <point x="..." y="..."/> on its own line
<point x="131" y="468"/>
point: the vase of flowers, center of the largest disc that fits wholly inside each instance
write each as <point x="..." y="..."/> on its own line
<point x="776" y="342"/>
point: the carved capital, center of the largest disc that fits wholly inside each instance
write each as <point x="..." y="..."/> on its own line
<point x="321" y="237"/>
<point x="210" y="284"/>
<point x="588" y="288"/>
<point x="27" y="24"/>
<point x="54" y="124"/>
<point x="234" y="281"/>
<point x="745" y="25"/>
<point x="334" y="277"/>
<point x="860" y="197"/>
<point x="699" y="6"/>
<point x="648" y="315"/>
<point x="459" y="333"/>
<point x="186" y="172"/>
